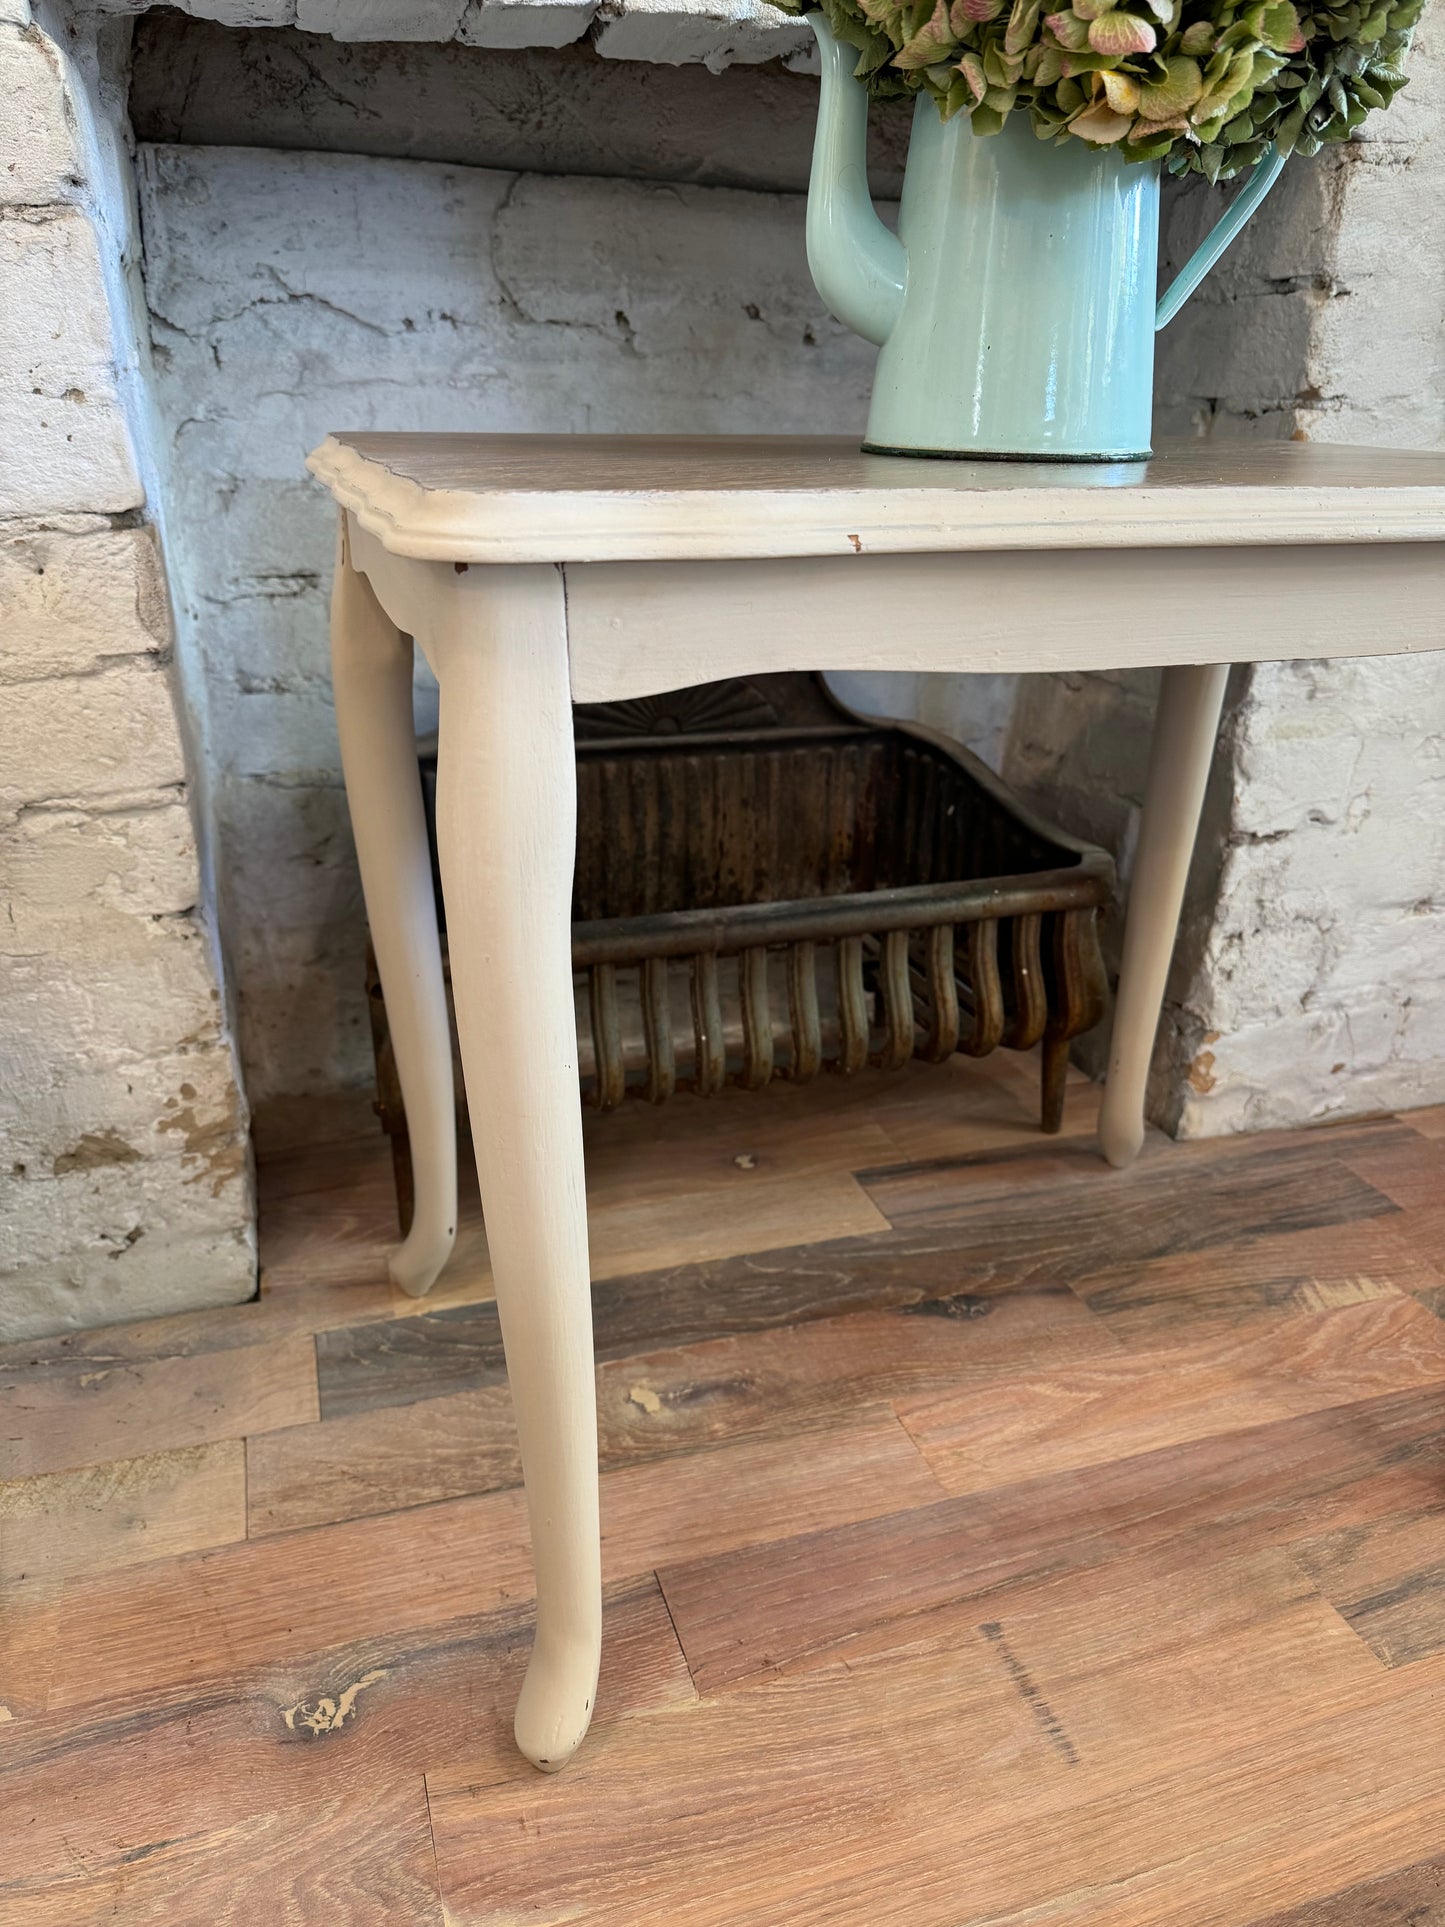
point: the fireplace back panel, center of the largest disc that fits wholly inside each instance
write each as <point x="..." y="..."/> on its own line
<point x="770" y="886"/>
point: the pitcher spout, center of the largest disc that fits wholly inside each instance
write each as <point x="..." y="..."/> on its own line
<point x="857" y="262"/>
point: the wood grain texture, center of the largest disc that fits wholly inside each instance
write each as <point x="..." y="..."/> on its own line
<point x="175" y="1623"/>
<point x="729" y="1175"/>
<point x="122" y="1512"/>
<point x="1410" y="1172"/>
<point x="392" y="1363"/>
<point x="283" y="1310"/>
<point x="1415" y="1179"/>
<point x="382" y="1459"/>
<point x="1175" y="1200"/>
<point x="719" y="1221"/>
<point x="376" y="1456"/>
<point x="272" y="1781"/>
<point x="723" y="1170"/>
<point x="814" y="1374"/>
<point x="457" y="1347"/>
<point x="338" y="1237"/>
<point x="1071" y="1713"/>
<point x="1117" y="1408"/>
<point x="987" y="1103"/>
<point x="364" y="1856"/>
<point x="1412" y="1897"/>
<point x="52" y="1420"/>
<point x="538" y="498"/>
<point x="1274" y="1278"/>
<point x="1336" y="1469"/>
<point x="1154" y="1674"/>
<point x="1386" y="1579"/>
<point x="692" y="1145"/>
<point x="756" y="1217"/>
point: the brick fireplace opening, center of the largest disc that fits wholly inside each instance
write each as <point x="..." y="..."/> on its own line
<point x="229" y="230"/>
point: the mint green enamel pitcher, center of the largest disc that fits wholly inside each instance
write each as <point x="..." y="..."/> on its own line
<point x="1015" y="307"/>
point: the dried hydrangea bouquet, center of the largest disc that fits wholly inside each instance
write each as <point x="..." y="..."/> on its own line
<point x="1015" y="306"/>
<point x="1205" y="85"/>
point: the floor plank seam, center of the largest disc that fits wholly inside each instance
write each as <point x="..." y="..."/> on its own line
<point x="1150" y="1525"/>
<point x="913" y="1441"/>
<point x="943" y="1491"/>
<point x="671" y="1620"/>
<point x="777" y="1430"/>
<point x="1335" y="1609"/>
<point x="431" y="1834"/>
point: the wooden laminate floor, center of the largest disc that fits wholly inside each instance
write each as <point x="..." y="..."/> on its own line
<point x="989" y="1539"/>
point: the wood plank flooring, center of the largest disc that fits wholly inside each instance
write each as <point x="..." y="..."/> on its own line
<point x="990" y="1540"/>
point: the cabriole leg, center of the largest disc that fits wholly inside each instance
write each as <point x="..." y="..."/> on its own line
<point x="1184" y="731"/>
<point x="371" y="666"/>
<point x="506" y="821"/>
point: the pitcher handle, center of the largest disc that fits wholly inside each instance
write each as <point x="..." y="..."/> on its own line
<point x="1267" y="171"/>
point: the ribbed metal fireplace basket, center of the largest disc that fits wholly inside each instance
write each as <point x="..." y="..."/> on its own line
<point x="770" y="886"/>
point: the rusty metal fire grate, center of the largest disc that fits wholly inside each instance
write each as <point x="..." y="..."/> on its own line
<point x="770" y="886"/>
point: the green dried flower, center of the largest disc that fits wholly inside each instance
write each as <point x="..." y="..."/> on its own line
<point x="1206" y="85"/>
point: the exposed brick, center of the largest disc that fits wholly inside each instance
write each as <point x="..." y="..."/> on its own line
<point x="77" y="601"/>
<point x="40" y="157"/>
<point x="525" y="23"/>
<point x="675" y="32"/>
<point x="125" y="1186"/>
<point x="91" y="736"/>
<point x="58" y="400"/>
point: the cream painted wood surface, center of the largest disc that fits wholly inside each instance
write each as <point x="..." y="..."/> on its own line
<point x="602" y="498"/>
<point x="506" y="832"/>
<point x="1184" y="731"/>
<point x="371" y="674"/>
<point x="621" y="567"/>
<point x="636" y="628"/>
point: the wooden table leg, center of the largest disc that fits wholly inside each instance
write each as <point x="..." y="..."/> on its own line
<point x="506" y="823"/>
<point x="371" y="663"/>
<point x="1184" y="732"/>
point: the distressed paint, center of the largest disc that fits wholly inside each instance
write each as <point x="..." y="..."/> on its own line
<point x="108" y="981"/>
<point x="1307" y="328"/>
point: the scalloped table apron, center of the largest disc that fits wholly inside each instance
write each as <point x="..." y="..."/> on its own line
<point x="536" y="571"/>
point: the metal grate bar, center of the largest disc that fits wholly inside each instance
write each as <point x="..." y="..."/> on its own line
<point x="987" y="990"/>
<point x="707" y="1027"/>
<point x="942" y="995"/>
<point x="1030" y="994"/>
<point x="897" y="1003"/>
<point x="684" y="933"/>
<point x="803" y="1012"/>
<point x="757" y="1019"/>
<point x="657" y="1029"/>
<point x="852" y="1006"/>
<point x="607" y="1037"/>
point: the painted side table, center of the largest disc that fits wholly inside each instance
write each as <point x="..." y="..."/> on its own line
<point x="536" y="571"/>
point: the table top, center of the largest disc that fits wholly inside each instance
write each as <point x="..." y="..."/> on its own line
<point x="600" y="498"/>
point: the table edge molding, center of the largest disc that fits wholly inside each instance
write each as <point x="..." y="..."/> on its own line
<point x="516" y="525"/>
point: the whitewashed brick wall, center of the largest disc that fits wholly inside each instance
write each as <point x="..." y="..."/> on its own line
<point x="290" y="293"/>
<point x="713" y="32"/>
<point x="1308" y="982"/>
<point x="1319" y="989"/>
<point x="477" y="300"/>
<point x="124" y="1182"/>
